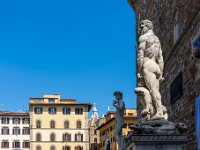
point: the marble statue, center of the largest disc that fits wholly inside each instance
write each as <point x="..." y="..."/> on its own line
<point x="107" y="143"/>
<point x="150" y="66"/>
<point x="120" y="109"/>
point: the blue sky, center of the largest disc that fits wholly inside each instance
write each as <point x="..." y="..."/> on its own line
<point x="80" y="49"/>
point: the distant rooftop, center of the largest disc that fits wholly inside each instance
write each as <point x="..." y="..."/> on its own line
<point x="8" y="113"/>
<point x="55" y="99"/>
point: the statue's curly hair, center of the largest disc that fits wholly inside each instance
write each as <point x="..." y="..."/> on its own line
<point x="118" y="93"/>
<point x="148" y="23"/>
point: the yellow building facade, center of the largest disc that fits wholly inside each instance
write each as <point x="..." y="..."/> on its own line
<point x="58" y="124"/>
<point x="107" y="128"/>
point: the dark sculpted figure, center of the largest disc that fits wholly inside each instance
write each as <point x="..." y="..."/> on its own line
<point x="120" y="109"/>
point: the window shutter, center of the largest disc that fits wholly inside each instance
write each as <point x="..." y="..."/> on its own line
<point x="19" y="144"/>
<point x="29" y="131"/>
<point x="13" y="131"/>
<point x="2" y="131"/>
<point x="23" y="144"/>
<point x="70" y="137"/>
<point x="23" y="131"/>
<point x="13" y="144"/>
<point x="8" y="131"/>
<point x="75" y="138"/>
<point x="19" y="131"/>
<point x="82" y="137"/>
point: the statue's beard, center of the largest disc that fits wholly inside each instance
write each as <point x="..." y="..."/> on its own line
<point x="143" y="31"/>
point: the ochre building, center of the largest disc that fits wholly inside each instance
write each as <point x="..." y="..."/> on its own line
<point x="107" y="128"/>
<point x="58" y="124"/>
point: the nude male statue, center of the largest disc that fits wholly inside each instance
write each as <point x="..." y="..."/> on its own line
<point x="150" y="64"/>
<point x="120" y="109"/>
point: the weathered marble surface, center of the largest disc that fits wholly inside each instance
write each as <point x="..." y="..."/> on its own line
<point x="150" y="66"/>
<point x="120" y="109"/>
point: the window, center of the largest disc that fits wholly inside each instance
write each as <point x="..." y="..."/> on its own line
<point x="78" y="124"/>
<point x="177" y="88"/>
<point x="52" y="137"/>
<point x="38" y="137"/>
<point x="5" y="144"/>
<point x="79" y="111"/>
<point x="66" y="111"/>
<point x="130" y="114"/>
<point x="79" y="137"/>
<point x="66" y="137"/>
<point x="16" y="120"/>
<point x="53" y="147"/>
<point x="25" y="120"/>
<point x="16" y="144"/>
<point x="66" y="148"/>
<point x="26" y="144"/>
<point x="38" y="110"/>
<point x="37" y="101"/>
<point x="196" y="45"/>
<point x="111" y="128"/>
<point x="78" y="148"/>
<point x="176" y="27"/>
<point x="66" y="124"/>
<point x="38" y="124"/>
<point x="51" y="101"/>
<point x="38" y="147"/>
<point x="16" y="130"/>
<point x="26" y="131"/>
<point x="52" y="124"/>
<point x="95" y="140"/>
<point x="95" y="131"/>
<point x="52" y="110"/>
<point x="5" y="130"/>
<point x="5" y="120"/>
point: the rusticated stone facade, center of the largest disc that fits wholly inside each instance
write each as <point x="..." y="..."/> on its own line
<point x="177" y="25"/>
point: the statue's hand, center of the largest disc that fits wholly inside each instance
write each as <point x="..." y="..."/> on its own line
<point x="114" y="102"/>
<point x="158" y="74"/>
<point x="161" y="79"/>
<point x="139" y="76"/>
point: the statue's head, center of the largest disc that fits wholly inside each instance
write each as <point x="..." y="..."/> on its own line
<point x="118" y="95"/>
<point x="145" y="26"/>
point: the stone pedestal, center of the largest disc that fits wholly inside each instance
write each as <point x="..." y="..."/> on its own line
<point x="155" y="142"/>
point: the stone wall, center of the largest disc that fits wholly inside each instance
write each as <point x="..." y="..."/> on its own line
<point x="177" y="24"/>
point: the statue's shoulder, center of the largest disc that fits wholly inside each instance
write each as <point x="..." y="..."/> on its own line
<point x="143" y="38"/>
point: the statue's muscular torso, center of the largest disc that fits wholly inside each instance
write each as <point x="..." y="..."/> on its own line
<point x="150" y="45"/>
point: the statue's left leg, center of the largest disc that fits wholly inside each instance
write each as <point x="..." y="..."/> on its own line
<point x="152" y="84"/>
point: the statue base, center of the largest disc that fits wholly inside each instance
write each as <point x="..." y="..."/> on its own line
<point x="155" y="142"/>
<point x="156" y="135"/>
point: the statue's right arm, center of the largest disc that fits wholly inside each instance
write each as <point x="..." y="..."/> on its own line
<point x="140" y="57"/>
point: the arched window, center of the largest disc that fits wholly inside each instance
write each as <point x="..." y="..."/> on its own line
<point x="66" y="148"/>
<point x="52" y="137"/>
<point x="52" y="124"/>
<point x="78" y="124"/>
<point x="79" y="148"/>
<point x="38" y="137"/>
<point x="66" y="124"/>
<point x="52" y="147"/>
<point x="79" y="137"/>
<point x="38" y="147"/>
<point x="38" y="124"/>
<point x="66" y="137"/>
